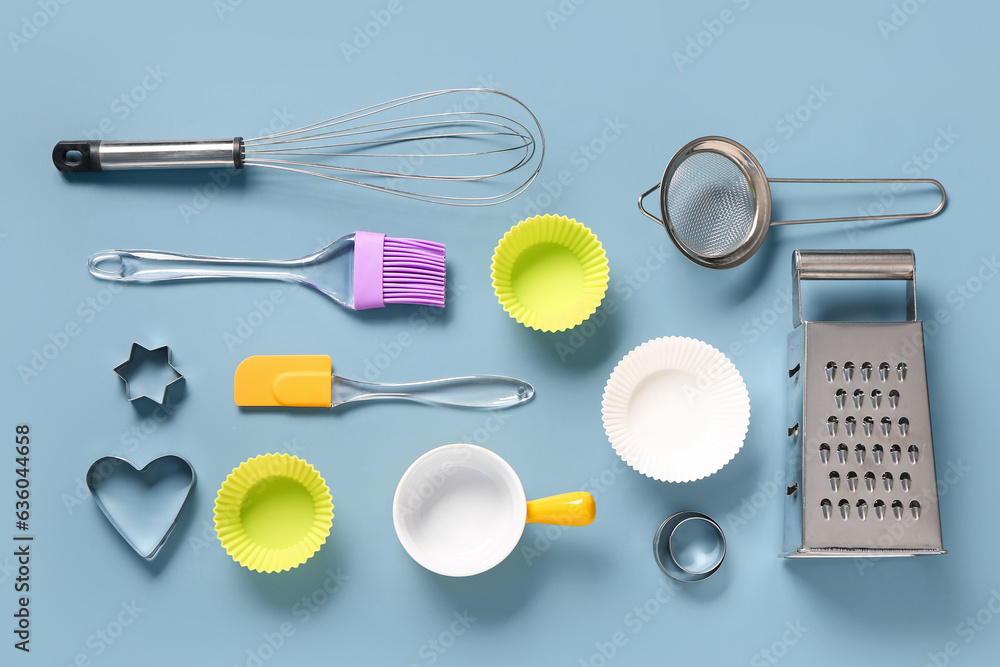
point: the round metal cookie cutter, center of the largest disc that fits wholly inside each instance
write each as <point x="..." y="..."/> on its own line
<point x="689" y="546"/>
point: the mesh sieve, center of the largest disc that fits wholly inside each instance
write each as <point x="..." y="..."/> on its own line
<point x="715" y="202"/>
<point x="710" y="204"/>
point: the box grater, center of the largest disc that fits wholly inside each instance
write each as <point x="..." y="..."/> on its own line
<point x="860" y="462"/>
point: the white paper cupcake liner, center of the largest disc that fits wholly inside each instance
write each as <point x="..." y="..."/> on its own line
<point x="676" y="409"/>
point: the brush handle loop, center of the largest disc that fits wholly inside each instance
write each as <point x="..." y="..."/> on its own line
<point x="148" y="266"/>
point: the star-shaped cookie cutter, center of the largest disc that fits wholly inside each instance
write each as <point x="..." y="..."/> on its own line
<point x="161" y="355"/>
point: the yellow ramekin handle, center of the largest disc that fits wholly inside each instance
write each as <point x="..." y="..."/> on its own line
<point x="566" y="509"/>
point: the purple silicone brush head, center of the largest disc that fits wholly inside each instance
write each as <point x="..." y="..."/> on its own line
<point x="391" y="270"/>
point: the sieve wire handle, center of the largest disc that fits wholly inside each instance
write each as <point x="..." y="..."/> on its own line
<point x="854" y="265"/>
<point x="643" y="208"/>
<point x="895" y="216"/>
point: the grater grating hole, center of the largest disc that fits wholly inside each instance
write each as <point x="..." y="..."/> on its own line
<point x="877" y="454"/>
<point x="895" y="453"/>
<point x="859" y="397"/>
<point x="850" y="424"/>
<point x="848" y="370"/>
<point x="901" y="370"/>
<point x="831" y="370"/>
<point x="827" y="507"/>
<point x="842" y="453"/>
<point x="883" y="371"/>
<point x="859" y="453"/>
<point x="886" y="425"/>
<point x="845" y="508"/>
<point x="866" y="371"/>
<point x="831" y="424"/>
<point x="913" y="452"/>
<point x="841" y="397"/>
<point x="869" y="426"/>
<point x="852" y="481"/>
<point x="904" y="481"/>
<point x="879" y="509"/>
<point x="915" y="509"/>
<point x="876" y="398"/>
<point x="893" y="398"/>
<point x="887" y="481"/>
<point x="904" y="426"/>
<point x="824" y="453"/>
<point x="835" y="481"/>
<point x="897" y="509"/>
<point x="862" y="509"/>
<point x="870" y="481"/>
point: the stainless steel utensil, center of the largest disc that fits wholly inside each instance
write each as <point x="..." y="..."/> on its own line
<point x="859" y="457"/>
<point x="440" y="137"/>
<point x="716" y="202"/>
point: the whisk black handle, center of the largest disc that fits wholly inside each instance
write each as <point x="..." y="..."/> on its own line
<point x="76" y="156"/>
<point x="73" y="156"/>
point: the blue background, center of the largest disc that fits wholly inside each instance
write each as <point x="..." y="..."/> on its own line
<point x="892" y="94"/>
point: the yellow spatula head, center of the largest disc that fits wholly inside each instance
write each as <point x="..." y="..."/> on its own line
<point x="294" y="380"/>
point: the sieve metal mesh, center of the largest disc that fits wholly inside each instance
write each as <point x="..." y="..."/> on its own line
<point x="711" y="204"/>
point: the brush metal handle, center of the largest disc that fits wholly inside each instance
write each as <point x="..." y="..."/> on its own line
<point x="149" y="266"/>
<point x="472" y="391"/>
<point x="76" y="156"/>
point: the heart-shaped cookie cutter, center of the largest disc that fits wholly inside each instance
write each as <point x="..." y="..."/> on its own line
<point x="125" y="492"/>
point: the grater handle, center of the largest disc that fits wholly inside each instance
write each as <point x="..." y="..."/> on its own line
<point x="854" y="265"/>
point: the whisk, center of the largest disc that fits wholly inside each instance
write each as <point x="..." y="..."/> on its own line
<point x="430" y="148"/>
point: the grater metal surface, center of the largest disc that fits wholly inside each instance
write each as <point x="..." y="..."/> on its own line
<point x="859" y="455"/>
